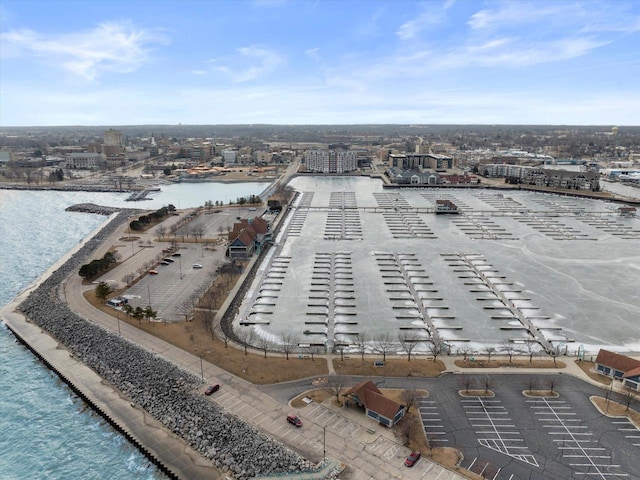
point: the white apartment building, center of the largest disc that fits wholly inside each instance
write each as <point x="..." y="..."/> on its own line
<point x="229" y="156"/>
<point x="331" y="161"/>
<point x="84" y="160"/>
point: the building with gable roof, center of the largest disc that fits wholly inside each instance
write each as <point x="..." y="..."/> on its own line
<point x="382" y="409"/>
<point x="620" y="367"/>
<point x="248" y="236"/>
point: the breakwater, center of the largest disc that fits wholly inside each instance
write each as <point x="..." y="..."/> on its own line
<point x="168" y="393"/>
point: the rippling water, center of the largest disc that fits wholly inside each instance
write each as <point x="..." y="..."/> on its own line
<point x="46" y="431"/>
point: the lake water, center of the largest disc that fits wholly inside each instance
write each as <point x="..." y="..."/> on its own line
<point x="47" y="432"/>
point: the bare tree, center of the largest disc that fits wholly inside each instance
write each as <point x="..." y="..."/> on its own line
<point x="551" y="384"/>
<point x="197" y="231"/>
<point x="466" y="351"/>
<point x="289" y="342"/>
<point x="509" y="349"/>
<point x="435" y="346"/>
<point x="221" y="334"/>
<point x="340" y="349"/>
<point x="489" y="351"/>
<point x="408" y="397"/>
<point x="531" y="383"/>
<point x="264" y="343"/>
<point x="488" y="383"/>
<point x="161" y="231"/>
<point x="361" y="340"/>
<point x="383" y="344"/>
<point x="628" y="396"/>
<point x="128" y="279"/>
<point x="186" y="309"/>
<point x="532" y="349"/>
<point x="408" y="341"/>
<point x="466" y="381"/>
<point x="246" y="336"/>
<point x="404" y="429"/>
<point x="335" y="385"/>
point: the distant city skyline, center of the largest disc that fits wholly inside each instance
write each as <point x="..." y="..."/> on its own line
<point x="193" y="62"/>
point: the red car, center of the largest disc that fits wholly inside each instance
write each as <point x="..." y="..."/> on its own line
<point x="411" y="460"/>
<point x="293" y="419"/>
<point x="212" y="389"/>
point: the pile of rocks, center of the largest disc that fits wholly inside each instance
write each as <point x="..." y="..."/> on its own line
<point x="167" y="392"/>
<point x="92" y="208"/>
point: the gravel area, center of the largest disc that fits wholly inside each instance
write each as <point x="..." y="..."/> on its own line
<point x="166" y="391"/>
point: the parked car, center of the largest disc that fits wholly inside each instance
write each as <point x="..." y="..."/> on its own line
<point x="294" y="420"/>
<point x="212" y="389"/>
<point x="252" y="209"/>
<point x="197" y="265"/>
<point x="170" y="260"/>
<point x="164" y="262"/>
<point x="411" y="460"/>
<point x="176" y="254"/>
<point x="153" y="272"/>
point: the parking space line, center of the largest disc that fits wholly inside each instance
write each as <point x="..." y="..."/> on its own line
<point x="576" y="446"/>
<point x="491" y="416"/>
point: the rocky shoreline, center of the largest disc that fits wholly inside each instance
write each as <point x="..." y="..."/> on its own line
<point x="92" y="208"/>
<point x="167" y="392"/>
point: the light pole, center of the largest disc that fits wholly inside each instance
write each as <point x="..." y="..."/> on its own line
<point x="180" y="266"/>
<point x="201" y="369"/>
<point x="118" y="315"/>
<point x="324" y="442"/>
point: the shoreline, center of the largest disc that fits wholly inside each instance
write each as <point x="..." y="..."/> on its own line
<point x="154" y="400"/>
<point x="138" y="427"/>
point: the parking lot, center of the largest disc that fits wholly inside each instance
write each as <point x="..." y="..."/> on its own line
<point x="513" y="435"/>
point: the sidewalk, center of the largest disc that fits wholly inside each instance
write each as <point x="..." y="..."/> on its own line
<point x="329" y="468"/>
<point x="572" y="368"/>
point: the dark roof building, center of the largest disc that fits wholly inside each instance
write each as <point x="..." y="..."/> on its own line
<point x="378" y="407"/>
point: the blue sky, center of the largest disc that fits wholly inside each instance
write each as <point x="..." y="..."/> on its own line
<point x="117" y="62"/>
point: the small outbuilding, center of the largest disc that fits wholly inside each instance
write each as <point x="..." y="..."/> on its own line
<point x="382" y="409"/>
<point x="620" y="367"/>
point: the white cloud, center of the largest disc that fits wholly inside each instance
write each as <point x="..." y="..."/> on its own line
<point x="110" y="47"/>
<point x="510" y="53"/>
<point x="264" y="62"/>
<point x="313" y="53"/>
<point x="509" y="14"/>
<point x="432" y="16"/>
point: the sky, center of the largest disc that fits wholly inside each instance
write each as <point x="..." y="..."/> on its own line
<point x="133" y="62"/>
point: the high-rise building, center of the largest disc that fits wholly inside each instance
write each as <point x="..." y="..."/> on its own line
<point x="331" y="161"/>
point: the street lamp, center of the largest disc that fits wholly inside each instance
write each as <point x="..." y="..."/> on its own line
<point x="324" y="442"/>
<point x="118" y="315"/>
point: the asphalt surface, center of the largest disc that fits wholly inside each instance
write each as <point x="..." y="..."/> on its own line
<point x="513" y="435"/>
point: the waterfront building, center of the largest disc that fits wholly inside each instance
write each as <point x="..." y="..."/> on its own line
<point x="84" y="160"/>
<point x="409" y="161"/>
<point x="331" y="161"/>
<point x="382" y="409"/>
<point x="619" y="367"/>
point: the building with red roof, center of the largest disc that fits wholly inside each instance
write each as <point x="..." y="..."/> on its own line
<point x="376" y="406"/>
<point x="620" y="367"/>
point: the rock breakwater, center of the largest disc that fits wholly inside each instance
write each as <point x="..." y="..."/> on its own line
<point x="92" y="208"/>
<point x="167" y="392"/>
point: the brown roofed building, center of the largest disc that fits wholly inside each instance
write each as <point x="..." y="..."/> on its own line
<point x="620" y="367"/>
<point x="247" y="236"/>
<point x="378" y="407"/>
